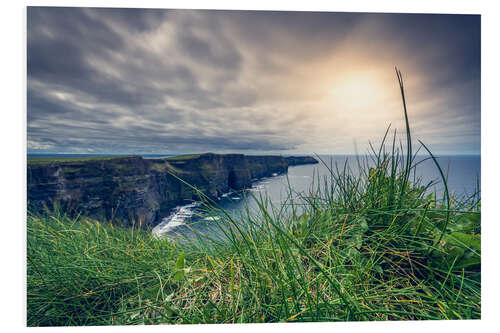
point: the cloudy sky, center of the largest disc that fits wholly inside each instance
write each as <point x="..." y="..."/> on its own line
<point x="183" y="81"/>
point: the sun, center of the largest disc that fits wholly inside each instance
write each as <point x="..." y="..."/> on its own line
<point x="357" y="91"/>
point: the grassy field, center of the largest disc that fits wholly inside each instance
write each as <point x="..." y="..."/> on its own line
<point x="49" y="160"/>
<point x="183" y="157"/>
<point x="373" y="246"/>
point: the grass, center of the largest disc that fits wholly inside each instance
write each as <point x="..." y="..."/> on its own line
<point x="183" y="157"/>
<point x="50" y="160"/>
<point x="374" y="245"/>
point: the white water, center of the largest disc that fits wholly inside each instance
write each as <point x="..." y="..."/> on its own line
<point x="212" y="218"/>
<point x="176" y="218"/>
<point x="180" y="214"/>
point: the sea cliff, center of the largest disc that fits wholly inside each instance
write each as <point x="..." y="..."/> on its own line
<point x="136" y="190"/>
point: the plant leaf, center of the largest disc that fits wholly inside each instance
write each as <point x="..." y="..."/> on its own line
<point x="179" y="266"/>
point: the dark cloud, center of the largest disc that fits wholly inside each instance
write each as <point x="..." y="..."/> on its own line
<point x="133" y="20"/>
<point x="41" y="107"/>
<point x="200" y="50"/>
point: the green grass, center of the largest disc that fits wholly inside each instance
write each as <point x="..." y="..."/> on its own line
<point x="50" y="160"/>
<point x="371" y="246"/>
<point x="183" y="157"/>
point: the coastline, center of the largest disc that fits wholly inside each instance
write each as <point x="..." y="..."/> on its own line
<point x="132" y="189"/>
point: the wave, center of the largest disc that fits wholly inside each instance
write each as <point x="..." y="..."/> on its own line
<point x="257" y="188"/>
<point x="176" y="218"/>
<point x="212" y="218"/>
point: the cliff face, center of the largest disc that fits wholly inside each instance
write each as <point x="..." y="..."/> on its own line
<point x="129" y="189"/>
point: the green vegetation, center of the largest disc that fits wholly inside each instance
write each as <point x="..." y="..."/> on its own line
<point x="183" y="157"/>
<point x="50" y="160"/>
<point x="371" y="246"/>
<point x="165" y="166"/>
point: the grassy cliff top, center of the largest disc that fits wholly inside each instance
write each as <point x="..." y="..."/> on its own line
<point x="52" y="160"/>
<point x="183" y="157"/>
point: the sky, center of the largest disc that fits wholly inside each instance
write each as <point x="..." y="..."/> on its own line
<point x="159" y="81"/>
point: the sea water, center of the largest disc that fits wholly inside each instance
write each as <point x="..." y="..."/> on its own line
<point x="461" y="171"/>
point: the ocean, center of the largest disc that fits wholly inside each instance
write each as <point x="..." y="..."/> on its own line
<point x="463" y="174"/>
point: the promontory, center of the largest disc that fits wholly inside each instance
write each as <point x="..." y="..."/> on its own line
<point x="132" y="189"/>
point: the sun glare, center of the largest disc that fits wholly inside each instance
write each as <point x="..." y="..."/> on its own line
<point x="357" y="91"/>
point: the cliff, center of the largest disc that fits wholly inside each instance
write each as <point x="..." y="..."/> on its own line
<point x="299" y="160"/>
<point x="128" y="189"/>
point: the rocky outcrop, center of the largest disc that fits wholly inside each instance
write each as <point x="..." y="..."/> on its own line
<point x="136" y="190"/>
<point x="299" y="160"/>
